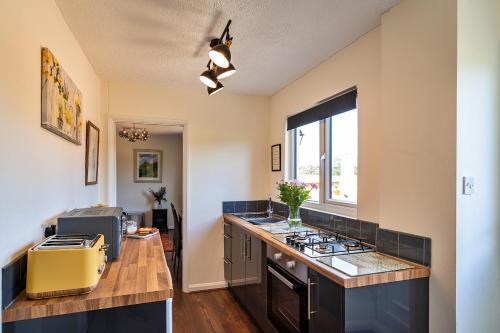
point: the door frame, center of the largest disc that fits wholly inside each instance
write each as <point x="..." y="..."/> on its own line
<point x="112" y="174"/>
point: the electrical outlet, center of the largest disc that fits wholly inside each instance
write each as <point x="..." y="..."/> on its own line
<point x="468" y="186"/>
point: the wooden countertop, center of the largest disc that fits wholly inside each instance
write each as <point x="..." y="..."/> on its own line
<point x="140" y="275"/>
<point x="417" y="271"/>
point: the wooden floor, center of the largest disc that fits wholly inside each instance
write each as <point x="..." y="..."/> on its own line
<point x="207" y="311"/>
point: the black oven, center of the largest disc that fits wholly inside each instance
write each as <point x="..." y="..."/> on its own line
<point x="287" y="298"/>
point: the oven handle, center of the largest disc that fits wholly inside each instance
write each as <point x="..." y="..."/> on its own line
<point x="309" y="285"/>
<point x="281" y="278"/>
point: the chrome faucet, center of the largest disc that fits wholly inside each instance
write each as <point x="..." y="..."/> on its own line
<point x="269" y="207"/>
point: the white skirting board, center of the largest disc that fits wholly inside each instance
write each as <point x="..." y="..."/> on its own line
<point x="207" y="286"/>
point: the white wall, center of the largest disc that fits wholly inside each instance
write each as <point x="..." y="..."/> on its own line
<point x="42" y="174"/>
<point x="357" y="65"/>
<point x="417" y="179"/>
<point x="227" y="158"/>
<point x="405" y="71"/>
<point x="478" y="156"/>
<point x="135" y="196"/>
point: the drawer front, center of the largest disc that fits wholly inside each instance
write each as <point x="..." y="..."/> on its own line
<point x="227" y="271"/>
<point x="227" y="228"/>
<point x="227" y="247"/>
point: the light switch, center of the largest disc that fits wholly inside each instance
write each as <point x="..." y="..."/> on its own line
<point x="468" y="186"/>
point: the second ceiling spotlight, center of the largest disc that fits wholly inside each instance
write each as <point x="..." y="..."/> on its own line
<point x="219" y="66"/>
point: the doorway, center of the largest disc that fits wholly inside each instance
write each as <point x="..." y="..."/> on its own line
<point x="137" y="167"/>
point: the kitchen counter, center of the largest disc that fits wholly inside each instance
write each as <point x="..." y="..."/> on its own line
<point x="414" y="272"/>
<point x="139" y="276"/>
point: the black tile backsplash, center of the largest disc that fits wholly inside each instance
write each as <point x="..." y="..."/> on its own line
<point x="13" y="279"/>
<point x="353" y="228"/>
<point x="388" y="242"/>
<point x="261" y="205"/>
<point x="406" y="246"/>
<point x="252" y="206"/>
<point x="339" y="224"/>
<point x="228" y="207"/>
<point x="368" y="232"/>
<point x="411" y="247"/>
<point x="427" y="251"/>
<point x="316" y="218"/>
<point x="240" y="206"/>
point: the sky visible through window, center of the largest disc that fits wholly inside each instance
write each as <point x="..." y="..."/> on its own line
<point x="344" y="148"/>
<point x="307" y="137"/>
<point x="344" y="157"/>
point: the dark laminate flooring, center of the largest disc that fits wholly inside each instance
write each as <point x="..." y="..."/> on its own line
<point x="207" y="311"/>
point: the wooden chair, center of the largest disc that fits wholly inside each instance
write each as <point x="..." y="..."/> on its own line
<point x="177" y="251"/>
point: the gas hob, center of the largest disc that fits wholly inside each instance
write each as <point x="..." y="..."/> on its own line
<point x="317" y="243"/>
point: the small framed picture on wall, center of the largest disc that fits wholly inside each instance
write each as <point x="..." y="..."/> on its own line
<point x="91" y="154"/>
<point x="276" y="157"/>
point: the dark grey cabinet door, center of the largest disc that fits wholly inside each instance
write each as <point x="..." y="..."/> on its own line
<point x="227" y="252"/>
<point x="326" y="305"/>
<point x="237" y="281"/>
<point x="255" y="282"/>
<point x="396" y="307"/>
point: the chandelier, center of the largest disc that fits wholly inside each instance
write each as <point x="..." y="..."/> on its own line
<point x="219" y="66"/>
<point x="134" y="134"/>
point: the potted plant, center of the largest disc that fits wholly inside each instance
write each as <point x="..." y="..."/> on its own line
<point x="159" y="195"/>
<point x="294" y="193"/>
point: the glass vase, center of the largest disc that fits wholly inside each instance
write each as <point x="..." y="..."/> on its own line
<point x="294" y="220"/>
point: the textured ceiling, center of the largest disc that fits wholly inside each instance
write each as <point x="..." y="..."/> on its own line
<point x="163" y="41"/>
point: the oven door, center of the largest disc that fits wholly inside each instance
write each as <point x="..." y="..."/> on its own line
<point x="286" y="300"/>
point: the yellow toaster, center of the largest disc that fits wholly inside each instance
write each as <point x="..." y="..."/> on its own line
<point x="64" y="265"/>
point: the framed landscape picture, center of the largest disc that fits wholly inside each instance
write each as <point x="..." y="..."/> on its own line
<point x="91" y="154"/>
<point x="147" y="166"/>
<point x="61" y="100"/>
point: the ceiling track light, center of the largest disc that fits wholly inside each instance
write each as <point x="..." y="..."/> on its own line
<point x="222" y="73"/>
<point x="220" y="59"/>
<point x="212" y="91"/>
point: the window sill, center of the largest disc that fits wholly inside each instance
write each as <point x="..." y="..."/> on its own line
<point x="343" y="210"/>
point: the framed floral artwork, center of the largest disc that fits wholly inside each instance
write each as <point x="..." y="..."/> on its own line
<point x="61" y="100"/>
<point x="147" y="166"/>
<point x="91" y="154"/>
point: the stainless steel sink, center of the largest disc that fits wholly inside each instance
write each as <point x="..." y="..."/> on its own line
<point x="260" y="218"/>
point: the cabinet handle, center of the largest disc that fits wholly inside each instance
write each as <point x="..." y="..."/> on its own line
<point x="309" y="312"/>
<point x="226" y="236"/>
<point x="246" y="248"/>
<point x="227" y="261"/>
<point x="242" y="249"/>
<point x="249" y="242"/>
<point x="281" y="278"/>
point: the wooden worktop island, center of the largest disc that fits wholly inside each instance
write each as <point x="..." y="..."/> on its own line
<point x="134" y="294"/>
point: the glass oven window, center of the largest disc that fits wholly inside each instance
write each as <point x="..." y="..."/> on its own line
<point x="286" y="305"/>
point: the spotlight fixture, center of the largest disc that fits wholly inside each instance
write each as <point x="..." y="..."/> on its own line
<point x="212" y="91"/>
<point x="133" y="134"/>
<point x="222" y="73"/>
<point x="209" y="78"/>
<point x="220" y="55"/>
<point x="219" y="65"/>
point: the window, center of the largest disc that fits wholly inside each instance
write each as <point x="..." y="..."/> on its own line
<point x="307" y="156"/>
<point x="342" y="157"/>
<point x="325" y="151"/>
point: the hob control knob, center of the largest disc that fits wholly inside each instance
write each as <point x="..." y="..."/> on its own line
<point x="278" y="256"/>
<point x="290" y="264"/>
